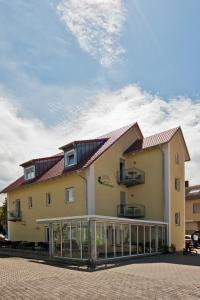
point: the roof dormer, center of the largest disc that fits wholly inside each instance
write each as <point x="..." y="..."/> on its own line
<point x="79" y="151"/>
<point x="29" y="173"/>
<point x="70" y="157"/>
<point x="36" y="167"/>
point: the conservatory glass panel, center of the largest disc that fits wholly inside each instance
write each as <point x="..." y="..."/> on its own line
<point x="100" y="240"/>
<point x="85" y="239"/>
<point x="110" y="240"/>
<point x="118" y="240"/>
<point x="153" y="239"/>
<point x="76" y="240"/>
<point x="133" y="239"/>
<point x="126" y="240"/>
<point x="66" y="240"/>
<point x="140" y="239"/>
<point x="57" y="239"/>
<point x="160" y="238"/>
<point x="147" y="239"/>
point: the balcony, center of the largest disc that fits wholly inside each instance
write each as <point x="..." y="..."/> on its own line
<point x="14" y="216"/>
<point x="131" y="211"/>
<point x="131" y="177"/>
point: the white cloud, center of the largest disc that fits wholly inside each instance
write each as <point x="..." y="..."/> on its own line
<point x="97" y="25"/>
<point x="23" y="138"/>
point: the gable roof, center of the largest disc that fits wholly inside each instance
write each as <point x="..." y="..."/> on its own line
<point x="157" y="139"/>
<point x="192" y="192"/>
<point x="58" y="169"/>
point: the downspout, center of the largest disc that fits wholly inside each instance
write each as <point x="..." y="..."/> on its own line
<point x="166" y="199"/>
<point x="163" y="180"/>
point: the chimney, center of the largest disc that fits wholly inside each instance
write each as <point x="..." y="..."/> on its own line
<point x="187" y="183"/>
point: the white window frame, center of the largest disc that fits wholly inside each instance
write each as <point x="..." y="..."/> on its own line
<point x="69" y="153"/>
<point x="26" y="170"/>
<point x="196" y="208"/>
<point x="69" y="198"/>
<point x="30" y="202"/>
<point x="48" y="196"/>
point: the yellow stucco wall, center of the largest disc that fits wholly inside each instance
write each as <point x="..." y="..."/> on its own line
<point x="177" y="197"/>
<point x="28" y="229"/>
<point x="149" y="194"/>
<point x="193" y="218"/>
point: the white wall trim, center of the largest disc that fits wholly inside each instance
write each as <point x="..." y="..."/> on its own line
<point x="167" y="195"/>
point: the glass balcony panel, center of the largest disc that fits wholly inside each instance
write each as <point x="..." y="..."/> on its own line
<point x="131" y="211"/>
<point x="130" y="177"/>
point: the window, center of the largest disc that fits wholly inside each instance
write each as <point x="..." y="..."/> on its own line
<point x="70" y="158"/>
<point x="177" y="158"/>
<point x="18" y="208"/>
<point x="177" y="219"/>
<point x="48" y="199"/>
<point x="177" y="184"/>
<point x="196" y="208"/>
<point x="30" y="202"/>
<point x="69" y="194"/>
<point x="29" y="173"/>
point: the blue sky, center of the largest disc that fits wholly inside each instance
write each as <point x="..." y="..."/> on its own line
<point x="62" y="61"/>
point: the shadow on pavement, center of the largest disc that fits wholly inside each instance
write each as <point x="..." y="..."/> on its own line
<point x="176" y="258"/>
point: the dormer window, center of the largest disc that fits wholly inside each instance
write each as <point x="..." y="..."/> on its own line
<point x="29" y="173"/>
<point x="70" y="158"/>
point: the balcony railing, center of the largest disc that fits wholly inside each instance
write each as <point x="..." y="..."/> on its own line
<point x="131" y="211"/>
<point x="130" y="177"/>
<point x="14" y="216"/>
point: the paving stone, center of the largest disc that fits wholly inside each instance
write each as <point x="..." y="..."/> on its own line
<point x="160" y="277"/>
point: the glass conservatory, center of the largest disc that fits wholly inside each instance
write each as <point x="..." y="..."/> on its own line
<point x="100" y="238"/>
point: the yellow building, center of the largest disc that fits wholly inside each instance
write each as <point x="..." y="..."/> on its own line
<point x="192" y="208"/>
<point x="129" y="187"/>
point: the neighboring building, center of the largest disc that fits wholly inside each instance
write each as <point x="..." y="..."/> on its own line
<point x="192" y="208"/>
<point x="135" y="183"/>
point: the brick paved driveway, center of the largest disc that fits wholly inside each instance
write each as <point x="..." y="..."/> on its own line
<point x="160" y="277"/>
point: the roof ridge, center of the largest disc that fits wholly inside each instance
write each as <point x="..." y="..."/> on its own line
<point x="115" y="130"/>
<point x="161" y="132"/>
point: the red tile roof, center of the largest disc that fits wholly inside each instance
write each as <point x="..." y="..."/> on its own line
<point x="155" y="140"/>
<point x="58" y="168"/>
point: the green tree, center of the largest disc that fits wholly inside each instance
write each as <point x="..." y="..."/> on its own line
<point x="3" y="213"/>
